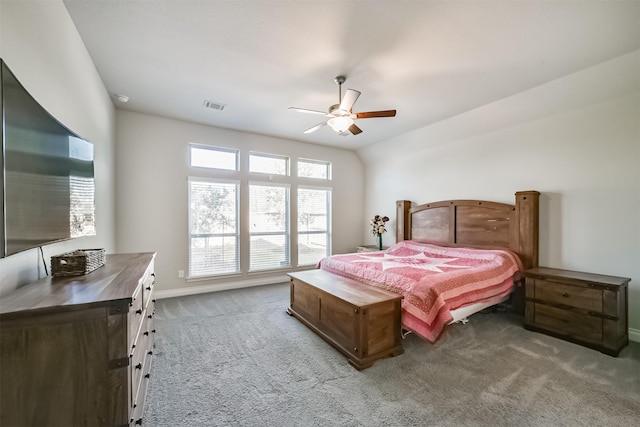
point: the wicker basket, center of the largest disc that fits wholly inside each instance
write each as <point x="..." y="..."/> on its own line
<point x="77" y="263"/>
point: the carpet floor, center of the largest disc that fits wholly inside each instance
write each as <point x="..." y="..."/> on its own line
<point x="235" y="358"/>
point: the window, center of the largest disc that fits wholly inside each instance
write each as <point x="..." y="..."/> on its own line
<point x="82" y="204"/>
<point x="314" y="207"/>
<point x="213" y="227"/>
<point x="269" y="226"/>
<point x="268" y="163"/>
<point x="314" y="169"/>
<point x="213" y="157"/>
<point x="241" y="216"/>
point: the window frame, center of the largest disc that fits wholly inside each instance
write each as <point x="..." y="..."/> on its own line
<point x="287" y="166"/>
<point x="214" y="148"/>
<point x="286" y="233"/>
<point x="235" y="234"/>
<point x="328" y="165"/>
<point x="328" y="230"/>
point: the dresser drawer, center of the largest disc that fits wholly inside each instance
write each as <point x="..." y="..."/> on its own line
<point x="565" y="322"/>
<point x="559" y="293"/>
<point x="136" y="315"/>
<point x="138" y="355"/>
<point x="148" y="286"/>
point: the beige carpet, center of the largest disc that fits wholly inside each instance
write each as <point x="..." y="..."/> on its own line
<point x="234" y="358"/>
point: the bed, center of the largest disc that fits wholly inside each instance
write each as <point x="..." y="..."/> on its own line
<point x="452" y="258"/>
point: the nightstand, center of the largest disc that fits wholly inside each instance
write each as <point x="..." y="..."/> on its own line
<point x="584" y="308"/>
<point x="369" y="248"/>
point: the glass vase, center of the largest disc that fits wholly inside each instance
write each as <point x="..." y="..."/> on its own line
<point x="379" y="241"/>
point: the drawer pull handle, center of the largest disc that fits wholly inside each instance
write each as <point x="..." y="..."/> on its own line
<point x="139" y="422"/>
<point x="150" y="352"/>
<point x="148" y="288"/>
<point x="139" y="311"/>
<point x="146" y="333"/>
<point x="153" y="330"/>
<point x="150" y="316"/>
<point x="139" y="366"/>
<point x="564" y="294"/>
<point x="147" y="376"/>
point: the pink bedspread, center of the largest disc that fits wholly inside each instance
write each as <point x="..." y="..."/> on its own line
<point x="433" y="279"/>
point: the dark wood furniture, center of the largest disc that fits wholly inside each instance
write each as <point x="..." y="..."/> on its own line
<point x="469" y="223"/>
<point x="361" y="321"/>
<point x="584" y="308"/>
<point x="477" y="224"/>
<point x="474" y="224"/>
<point x="76" y="351"/>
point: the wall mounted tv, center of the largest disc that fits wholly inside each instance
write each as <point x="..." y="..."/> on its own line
<point x="47" y="182"/>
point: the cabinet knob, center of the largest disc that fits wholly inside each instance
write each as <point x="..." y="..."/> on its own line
<point x="139" y="366"/>
<point x="139" y="311"/>
<point x="146" y="333"/>
<point x="147" y="375"/>
<point x="150" y="316"/>
<point x="139" y="422"/>
<point x="148" y="288"/>
<point x="150" y="352"/>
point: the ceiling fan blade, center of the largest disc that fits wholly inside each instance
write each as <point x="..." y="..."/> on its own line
<point x="306" y="111"/>
<point x="350" y="97"/>
<point x="372" y="114"/>
<point x="354" y="129"/>
<point x="315" y="128"/>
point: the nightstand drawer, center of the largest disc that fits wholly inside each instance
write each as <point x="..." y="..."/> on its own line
<point x="568" y="295"/>
<point x="580" y="326"/>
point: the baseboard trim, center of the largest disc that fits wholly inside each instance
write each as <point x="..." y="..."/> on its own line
<point x="194" y="290"/>
<point x="634" y="335"/>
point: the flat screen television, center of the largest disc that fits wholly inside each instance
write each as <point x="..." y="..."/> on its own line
<point x="47" y="182"/>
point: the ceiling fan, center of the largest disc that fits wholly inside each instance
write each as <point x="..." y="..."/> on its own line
<point x="341" y="118"/>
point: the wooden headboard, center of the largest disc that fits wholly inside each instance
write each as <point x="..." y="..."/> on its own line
<point x="474" y="223"/>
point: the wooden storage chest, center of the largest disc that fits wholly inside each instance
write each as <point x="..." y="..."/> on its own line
<point x="363" y="322"/>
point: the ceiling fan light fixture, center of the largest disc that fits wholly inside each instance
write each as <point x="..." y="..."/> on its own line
<point x="340" y="123"/>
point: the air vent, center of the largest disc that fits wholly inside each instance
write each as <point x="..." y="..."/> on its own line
<point x="214" y="105"/>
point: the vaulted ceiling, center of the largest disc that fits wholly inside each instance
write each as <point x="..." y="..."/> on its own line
<point x="429" y="60"/>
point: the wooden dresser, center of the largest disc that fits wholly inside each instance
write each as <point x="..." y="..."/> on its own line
<point x="588" y="309"/>
<point x="361" y="321"/>
<point x="76" y="351"/>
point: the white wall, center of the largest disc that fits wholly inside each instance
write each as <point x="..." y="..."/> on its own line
<point x="42" y="47"/>
<point x="151" y="186"/>
<point x="576" y="140"/>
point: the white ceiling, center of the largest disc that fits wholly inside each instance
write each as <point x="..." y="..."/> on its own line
<point x="429" y="60"/>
